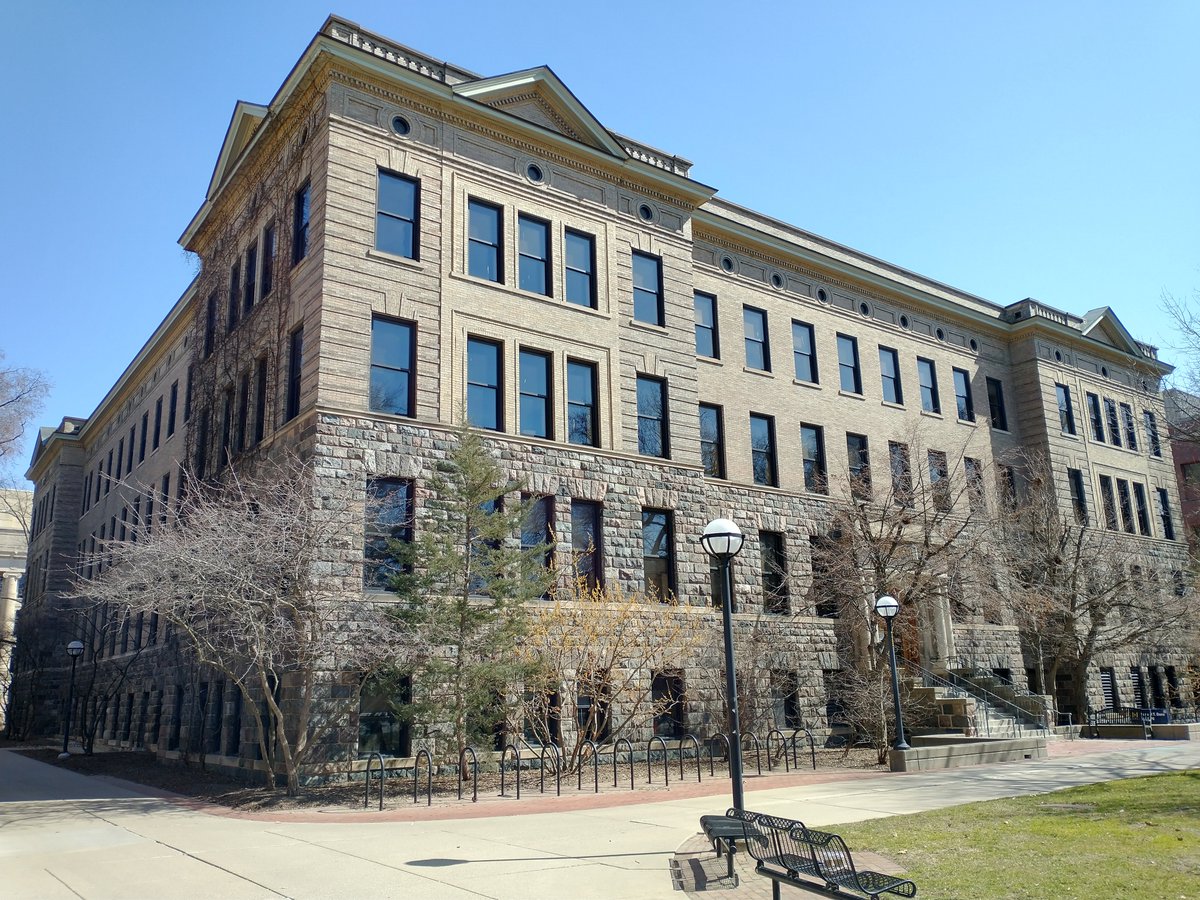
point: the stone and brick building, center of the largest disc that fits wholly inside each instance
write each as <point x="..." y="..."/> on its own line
<point x="392" y="242"/>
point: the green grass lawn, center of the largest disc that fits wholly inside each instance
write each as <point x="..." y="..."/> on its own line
<point x="1124" y="839"/>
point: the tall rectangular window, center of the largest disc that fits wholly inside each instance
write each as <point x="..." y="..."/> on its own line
<point x="157" y="434"/>
<point x="226" y="426"/>
<point x="973" y="472"/>
<point x="484" y="384"/>
<point x="172" y="407"/>
<point x="927" y="378"/>
<point x="396" y="215"/>
<point x="210" y="324"/>
<point x="1126" y="503"/>
<point x="536" y="400"/>
<point x="658" y="553"/>
<point x="889" y="375"/>
<point x="235" y="297"/>
<point x="851" y="377"/>
<point x="1096" y="417"/>
<point x="804" y="352"/>
<point x="301" y="211"/>
<point x="762" y="450"/>
<point x="996" y="411"/>
<point x="707" y="340"/>
<point x="898" y="462"/>
<point x="812" y="449"/>
<point x="1066" y="412"/>
<point x="129" y="465"/>
<point x="187" y="396"/>
<point x="243" y="412"/>
<point x="393" y="359"/>
<point x="268" y="260"/>
<point x="1141" y="508"/>
<point x="939" y="480"/>
<point x="666" y="699"/>
<point x="1108" y="501"/>
<point x="250" y="286"/>
<point x="587" y="535"/>
<point x="389" y="519"/>
<point x="1130" y="428"/>
<point x="1114" y="424"/>
<point x="1164" y="511"/>
<point x="295" y="366"/>
<point x="1151" y="433"/>
<point x="712" y="441"/>
<point x="538" y="528"/>
<point x="647" y="289"/>
<point x="165" y="491"/>
<point x="963" y="401"/>
<point x="260" y="399"/>
<point x="144" y="434"/>
<point x="774" y="571"/>
<point x="485" y="224"/>
<point x="1078" y="497"/>
<point x="858" y="459"/>
<point x="581" y="403"/>
<point x="652" y="416"/>
<point x="758" y="348"/>
<point x="533" y="255"/>
<point x="580" y="268"/>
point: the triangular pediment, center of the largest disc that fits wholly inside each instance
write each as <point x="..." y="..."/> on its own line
<point x="539" y="96"/>
<point x="1103" y="325"/>
<point x="242" y="125"/>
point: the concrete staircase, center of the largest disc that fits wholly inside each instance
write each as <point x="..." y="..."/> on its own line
<point x="975" y="703"/>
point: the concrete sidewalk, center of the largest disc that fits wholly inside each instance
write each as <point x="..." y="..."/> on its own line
<point x="88" y="838"/>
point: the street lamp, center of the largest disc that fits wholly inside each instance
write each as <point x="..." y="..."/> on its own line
<point x="887" y="608"/>
<point x="74" y="650"/>
<point x="723" y="540"/>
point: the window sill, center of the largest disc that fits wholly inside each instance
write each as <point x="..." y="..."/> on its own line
<point x="812" y="385"/>
<point x="890" y="405"/>
<point x="973" y="423"/>
<point x="1069" y="436"/>
<point x="931" y="414"/>
<point x="996" y="430"/>
<point x="384" y="256"/>
<point x="711" y="360"/>
<point x="749" y="370"/>
<point x="852" y="395"/>
<point x="648" y="326"/>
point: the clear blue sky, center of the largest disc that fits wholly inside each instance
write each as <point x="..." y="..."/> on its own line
<point x="1010" y="149"/>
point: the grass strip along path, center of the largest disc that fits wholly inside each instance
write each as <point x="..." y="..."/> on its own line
<point x="1123" y="839"/>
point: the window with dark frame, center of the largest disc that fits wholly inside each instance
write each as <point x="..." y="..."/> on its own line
<point x="848" y="370"/>
<point x="1095" y="417"/>
<point x="389" y="519"/>
<point x="1125" y="501"/>
<point x="1130" y="428"/>
<point x="235" y="297"/>
<point x="210" y="324"/>
<point x="587" y="542"/>
<point x="973" y="473"/>
<point x="1066" y="412"/>
<point x="1151" y="424"/>
<point x="647" y="289"/>
<point x="1164" y="511"/>
<point x="707" y="338"/>
<point x="144" y="434"/>
<point x="927" y="378"/>
<point x="243" y="412"/>
<point x="393" y="360"/>
<point x="964" y="402"/>
<point x="652" y="417"/>
<point x="266" y="282"/>
<point x="812" y="450"/>
<point x="858" y="459"/>
<point x="295" y="367"/>
<point x="939" y="480"/>
<point x="260" y="399"/>
<point x="226" y="448"/>
<point x="901" y="468"/>
<point x="758" y="348"/>
<point x="251" y="283"/>
<point x="804" y="352"/>
<point x="396" y="212"/>
<point x="485" y="224"/>
<point x="129" y="464"/>
<point x="535" y="388"/>
<point x="1141" y="507"/>
<point x="1114" y="424"/>
<point x="774" y="572"/>
<point x="658" y="553"/>
<point x="485" y="408"/>
<point x="889" y="376"/>
<point x="538" y="529"/>
<point x="533" y="255"/>
<point x="580" y="268"/>
<point x="762" y="450"/>
<point x="1108" y="500"/>
<point x="996" y="410"/>
<point x="156" y="436"/>
<point x="712" y="440"/>
<point x="301" y="211"/>
<point x="581" y="403"/>
<point x="666" y="697"/>
<point x="1078" y="497"/>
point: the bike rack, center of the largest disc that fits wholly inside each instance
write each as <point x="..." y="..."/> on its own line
<point x="650" y="765"/>
<point x="516" y="756"/>
<point x="462" y="764"/>
<point x="557" y="770"/>
<point x="750" y="735"/>
<point x="595" y="765"/>
<point x="812" y="745"/>
<point x="382" y="778"/>
<point x="696" y="745"/>
<point x="616" y="753"/>
<point x="782" y="746"/>
<point x="709" y="743"/>
<point x="428" y="776"/>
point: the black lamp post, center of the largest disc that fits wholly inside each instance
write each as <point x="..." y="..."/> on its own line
<point x="723" y="540"/>
<point x="887" y="608"/>
<point x="74" y="650"/>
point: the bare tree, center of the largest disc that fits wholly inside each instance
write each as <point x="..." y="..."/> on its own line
<point x="21" y="394"/>
<point x="243" y="578"/>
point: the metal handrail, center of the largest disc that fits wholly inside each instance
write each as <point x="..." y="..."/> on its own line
<point x="650" y="764"/>
<point x="462" y="763"/>
<point x="428" y="776"/>
<point x="696" y="745"/>
<point x="595" y="766"/>
<point x="982" y="694"/>
<point x="750" y="735"/>
<point x="517" y="757"/>
<point x="382" y="779"/>
<point x="616" y="753"/>
<point x="994" y="699"/>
